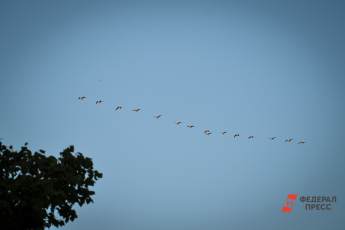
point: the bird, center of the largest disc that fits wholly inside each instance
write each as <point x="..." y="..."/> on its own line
<point x="190" y="126"/>
<point x="99" y="102"/>
<point x="158" y="116"/>
<point x="136" y="110"/>
<point x="119" y="107"/>
<point x="178" y="122"/>
<point x="236" y="135"/>
<point x="224" y="132"/>
<point x="207" y="132"/>
<point x="251" y="137"/>
<point x="301" y="142"/>
<point x="289" y="140"/>
<point x="82" y="98"/>
<point x="272" y="138"/>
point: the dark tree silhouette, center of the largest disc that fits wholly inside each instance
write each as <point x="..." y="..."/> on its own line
<point x="38" y="191"/>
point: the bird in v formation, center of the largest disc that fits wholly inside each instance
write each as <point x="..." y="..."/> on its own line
<point x="178" y="122"/>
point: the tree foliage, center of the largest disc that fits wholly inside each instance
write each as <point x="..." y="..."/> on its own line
<point x="38" y="190"/>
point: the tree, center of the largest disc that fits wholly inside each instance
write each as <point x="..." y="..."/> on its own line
<point x="38" y="191"/>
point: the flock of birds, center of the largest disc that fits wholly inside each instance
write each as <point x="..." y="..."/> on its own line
<point x="179" y="123"/>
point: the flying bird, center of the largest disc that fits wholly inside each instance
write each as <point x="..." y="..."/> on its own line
<point x="82" y="98"/>
<point x="272" y="138"/>
<point x="224" y="132"/>
<point x="158" y="116"/>
<point x="207" y="132"/>
<point x="99" y="102"/>
<point x="289" y="140"/>
<point x="178" y="122"/>
<point x="119" y="107"/>
<point x="236" y="135"/>
<point x="136" y="110"/>
<point x="301" y="142"/>
<point x="190" y="126"/>
<point x="251" y="137"/>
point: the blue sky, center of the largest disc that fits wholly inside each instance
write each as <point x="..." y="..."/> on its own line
<point x="262" y="68"/>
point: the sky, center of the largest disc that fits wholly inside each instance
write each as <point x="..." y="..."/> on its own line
<point x="261" y="68"/>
